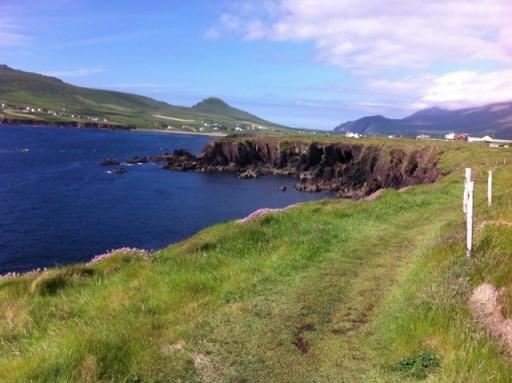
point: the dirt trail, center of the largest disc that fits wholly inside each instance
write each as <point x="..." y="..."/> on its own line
<point x="485" y="304"/>
<point x="496" y="223"/>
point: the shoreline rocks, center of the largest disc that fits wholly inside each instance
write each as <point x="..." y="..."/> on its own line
<point x="119" y="171"/>
<point x="109" y="162"/>
<point x="349" y="170"/>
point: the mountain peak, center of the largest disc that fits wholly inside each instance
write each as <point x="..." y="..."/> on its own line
<point x="5" y="67"/>
<point x="429" y="112"/>
<point x="211" y="102"/>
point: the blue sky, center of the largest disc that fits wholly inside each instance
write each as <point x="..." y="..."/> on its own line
<point x="308" y="63"/>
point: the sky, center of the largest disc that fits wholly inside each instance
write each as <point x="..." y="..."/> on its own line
<point x="303" y="63"/>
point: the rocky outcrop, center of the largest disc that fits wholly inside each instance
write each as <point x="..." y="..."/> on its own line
<point x="109" y="162"/>
<point x="350" y="170"/>
<point x="146" y="159"/>
<point x="119" y="171"/>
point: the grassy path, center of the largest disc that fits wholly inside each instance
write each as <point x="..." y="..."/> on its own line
<point x="319" y="326"/>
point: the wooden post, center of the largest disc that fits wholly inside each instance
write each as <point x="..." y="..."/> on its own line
<point x="469" y="220"/>
<point x="489" y="188"/>
<point x="467" y="179"/>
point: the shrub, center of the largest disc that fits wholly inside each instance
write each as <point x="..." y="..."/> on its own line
<point x="417" y="366"/>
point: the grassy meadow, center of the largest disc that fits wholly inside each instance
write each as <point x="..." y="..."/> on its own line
<point x="328" y="291"/>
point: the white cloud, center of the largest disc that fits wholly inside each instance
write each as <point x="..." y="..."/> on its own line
<point x="75" y="72"/>
<point x="468" y="88"/>
<point x="409" y="39"/>
<point x="373" y="34"/>
<point x="452" y="90"/>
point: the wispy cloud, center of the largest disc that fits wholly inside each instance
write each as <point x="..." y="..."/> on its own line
<point x="404" y="54"/>
<point x="145" y="88"/>
<point x="142" y="85"/>
<point x="75" y="72"/>
<point x="110" y="39"/>
<point x="368" y="35"/>
<point x="212" y="33"/>
<point x="11" y="34"/>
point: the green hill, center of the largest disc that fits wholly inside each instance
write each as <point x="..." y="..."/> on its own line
<point x="35" y="96"/>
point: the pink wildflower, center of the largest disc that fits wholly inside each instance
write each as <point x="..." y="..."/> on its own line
<point x="123" y="250"/>
<point x="13" y="274"/>
<point x="264" y="211"/>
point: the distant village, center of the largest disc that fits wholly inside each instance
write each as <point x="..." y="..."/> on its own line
<point x="28" y="109"/>
<point x="452" y="136"/>
<point x="207" y="126"/>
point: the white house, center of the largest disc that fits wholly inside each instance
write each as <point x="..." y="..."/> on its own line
<point x="489" y="140"/>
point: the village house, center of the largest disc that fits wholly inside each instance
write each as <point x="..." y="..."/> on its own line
<point x="353" y="135"/>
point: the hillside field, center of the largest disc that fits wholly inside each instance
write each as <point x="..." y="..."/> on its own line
<point x="32" y="96"/>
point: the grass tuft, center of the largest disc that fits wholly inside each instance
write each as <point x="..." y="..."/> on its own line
<point x="51" y="281"/>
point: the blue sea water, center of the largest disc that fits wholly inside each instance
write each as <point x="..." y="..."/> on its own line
<point x="58" y="206"/>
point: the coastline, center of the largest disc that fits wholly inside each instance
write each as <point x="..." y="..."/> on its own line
<point x="180" y="132"/>
<point x="146" y="253"/>
<point x="110" y="128"/>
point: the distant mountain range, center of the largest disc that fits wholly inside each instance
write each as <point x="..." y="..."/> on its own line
<point x="494" y="119"/>
<point x="35" y="96"/>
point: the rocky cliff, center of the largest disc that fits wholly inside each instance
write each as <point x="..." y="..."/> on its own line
<point x="352" y="170"/>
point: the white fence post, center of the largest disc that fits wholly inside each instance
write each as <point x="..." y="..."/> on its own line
<point x="469" y="220"/>
<point x="467" y="179"/>
<point x="489" y="188"/>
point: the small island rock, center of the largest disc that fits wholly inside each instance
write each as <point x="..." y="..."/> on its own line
<point x="109" y="162"/>
<point x="119" y="171"/>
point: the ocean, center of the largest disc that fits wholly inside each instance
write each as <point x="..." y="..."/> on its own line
<point x="59" y="206"/>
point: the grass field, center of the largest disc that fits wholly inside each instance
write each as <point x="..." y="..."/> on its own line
<point x="329" y="291"/>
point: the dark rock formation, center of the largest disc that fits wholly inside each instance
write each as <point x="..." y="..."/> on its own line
<point x="183" y="160"/>
<point x="109" y="162"/>
<point x="119" y="171"/>
<point x="138" y="160"/>
<point x="146" y="159"/>
<point x="350" y="170"/>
